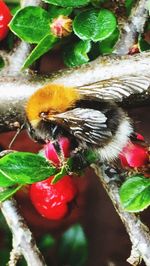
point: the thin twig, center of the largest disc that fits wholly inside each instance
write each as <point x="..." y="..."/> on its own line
<point x="14" y="257"/>
<point x="138" y="232"/>
<point x="25" y="3"/>
<point x="134" y="25"/>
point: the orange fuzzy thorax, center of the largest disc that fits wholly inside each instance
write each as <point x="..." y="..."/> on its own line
<point x="52" y="98"/>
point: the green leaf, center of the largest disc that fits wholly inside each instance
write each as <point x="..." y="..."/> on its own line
<point x="30" y="24"/>
<point x="129" y="4"/>
<point x="135" y="194"/>
<point x="24" y="168"/>
<point x="55" y="11"/>
<point x="14" y="7"/>
<point x="76" y="54"/>
<point x="85" y="24"/>
<point x="98" y="3"/>
<point x="94" y="25"/>
<point x="2" y="64"/>
<point x="43" y="46"/>
<point x="6" y="194"/>
<point x="143" y="45"/>
<point x="73" y="249"/>
<point x="106" y="24"/>
<point x="47" y="242"/>
<point x="106" y="46"/>
<point x="68" y="3"/>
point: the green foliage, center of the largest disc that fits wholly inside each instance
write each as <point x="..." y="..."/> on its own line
<point x="94" y="25"/>
<point x="21" y="168"/>
<point x="107" y="46"/>
<point x="24" y="168"/>
<point x="76" y="54"/>
<point x="98" y="3"/>
<point x="144" y="39"/>
<point x="46" y="242"/>
<point x="73" y="248"/>
<point x="68" y="3"/>
<point x="129" y="4"/>
<point x="7" y="193"/>
<point x="2" y="64"/>
<point x="43" y="46"/>
<point x="30" y="24"/>
<point x="33" y="25"/>
<point x="135" y="193"/>
<point x="55" y="11"/>
<point x="143" y="45"/>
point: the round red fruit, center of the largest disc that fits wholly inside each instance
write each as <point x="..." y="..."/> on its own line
<point x="51" y="153"/>
<point x="51" y="200"/>
<point x="5" y="17"/>
<point x="134" y="155"/>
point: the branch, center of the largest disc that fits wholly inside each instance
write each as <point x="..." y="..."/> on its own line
<point x="25" y="3"/>
<point x="138" y="232"/>
<point x="134" y="25"/>
<point x="23" y="241"/>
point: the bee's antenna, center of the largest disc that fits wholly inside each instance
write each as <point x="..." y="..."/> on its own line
<point x="16" y="135"/>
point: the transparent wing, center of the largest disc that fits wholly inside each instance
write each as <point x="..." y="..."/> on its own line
<point x="86" y="124"/>
<point x="116" y="89"/>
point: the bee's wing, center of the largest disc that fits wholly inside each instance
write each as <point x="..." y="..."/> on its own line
<point x="88" y="125"/>
<point x="116" y="89"/>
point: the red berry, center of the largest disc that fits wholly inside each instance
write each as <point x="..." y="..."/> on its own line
<point x="51" y="153"/>
<point x="139" y="137"/>
<point x="51" y="200"/>
<point x="5" y="17"/>
<point x="134" y="155"/>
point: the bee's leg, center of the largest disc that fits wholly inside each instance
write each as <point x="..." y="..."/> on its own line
<point x="59" y="152"/>
<point x="79" y="161"/>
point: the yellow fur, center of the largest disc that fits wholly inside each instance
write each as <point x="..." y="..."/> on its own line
<point x="52" y="98"/>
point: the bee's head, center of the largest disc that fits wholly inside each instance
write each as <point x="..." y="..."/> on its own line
<point x="50" y="100"/>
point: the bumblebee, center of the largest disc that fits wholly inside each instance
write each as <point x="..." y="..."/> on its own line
<point x="88" y="115"/>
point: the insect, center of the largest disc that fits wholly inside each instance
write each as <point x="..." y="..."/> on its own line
<point x="89" y="114"/>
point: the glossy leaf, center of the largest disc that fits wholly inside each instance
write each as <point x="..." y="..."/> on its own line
<point x="106" y="25"/>
<point x="143" y="45"/>
<point x="6" y="194"/>
<point x="85" y="24"/>
<point x="107" y="46"/>
<point x="30" y="24"/>
<point x="135" y="194"/>
<point x="43" y="46"/>
<point x="73" y="248"/>
<point x="24" y="168"/>
<point x="68" y="3"/>
<point x="75" y="55"/>
<point x="94" y="25"/>
<point x="55" y="11"/>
